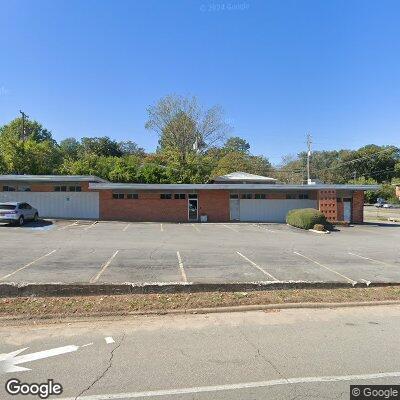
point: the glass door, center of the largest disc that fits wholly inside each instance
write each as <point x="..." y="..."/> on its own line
<point x="193" y="210"/>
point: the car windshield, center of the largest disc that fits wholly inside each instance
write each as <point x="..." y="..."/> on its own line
<point x="7" y="207"/>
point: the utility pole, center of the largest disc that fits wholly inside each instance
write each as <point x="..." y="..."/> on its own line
<point x="23" y="123"/>
<point x="309" y="143"/>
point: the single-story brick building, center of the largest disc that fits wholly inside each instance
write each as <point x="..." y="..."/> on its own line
<point x="233" y="197"/>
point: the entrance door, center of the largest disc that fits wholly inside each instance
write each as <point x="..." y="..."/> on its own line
<point x="193" y="209"/>
<point x="235" y="209"/>
<point x="347" y="210"/>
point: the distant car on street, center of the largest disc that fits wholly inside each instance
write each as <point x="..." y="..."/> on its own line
<point x="17" y="213"/>
<point x="387" y="205"/>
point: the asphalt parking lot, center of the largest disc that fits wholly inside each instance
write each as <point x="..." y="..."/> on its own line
<point x="119" y="252"/>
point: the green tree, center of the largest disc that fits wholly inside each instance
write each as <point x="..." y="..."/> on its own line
<point x="34" y="153"/>
<point x="129" y="148"/>
<point x="236" y="144"/>
<point x="233" y="162"/>
<point x="153" y="173"/>
<point x="70" y="148"/>
<point x="100" y="146"/>
<point x="33" y="130"/>
<point x="182" y="124"/>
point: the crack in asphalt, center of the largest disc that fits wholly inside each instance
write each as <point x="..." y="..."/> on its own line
<point x="103" y="374"/>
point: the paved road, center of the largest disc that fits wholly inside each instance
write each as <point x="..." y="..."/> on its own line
<point x="252" y="355"/>
<point x="117" y="252"/>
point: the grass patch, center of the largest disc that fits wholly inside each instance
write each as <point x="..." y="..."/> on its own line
<point x="32" y="307"/>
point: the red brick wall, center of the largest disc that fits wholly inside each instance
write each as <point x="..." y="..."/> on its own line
<point x="148" y="208"/>
<point x="358" y="207"/>
<point x="327" y="204"/>
<point x="215" y="204"/>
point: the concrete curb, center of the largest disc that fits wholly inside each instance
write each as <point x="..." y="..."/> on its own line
<point x="204" y="310"/>
<point x="87" y="289"/>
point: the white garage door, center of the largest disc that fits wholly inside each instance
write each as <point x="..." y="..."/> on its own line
<point x="271" y="210"/>
<point x="59" y="205"/>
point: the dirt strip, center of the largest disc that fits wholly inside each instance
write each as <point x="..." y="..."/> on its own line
<point x="63" y="307"/>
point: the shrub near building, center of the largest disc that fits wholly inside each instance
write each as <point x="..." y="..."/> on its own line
<point x="306" y="218"/>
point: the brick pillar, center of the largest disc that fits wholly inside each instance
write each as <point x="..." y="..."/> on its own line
<point x="358" y="207"/>
<point x="327" y="204"/>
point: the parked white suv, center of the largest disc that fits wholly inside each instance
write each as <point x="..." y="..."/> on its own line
<point x="17" y="213"/>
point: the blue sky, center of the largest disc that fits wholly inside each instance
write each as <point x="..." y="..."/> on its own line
<point x="278" y="68"/>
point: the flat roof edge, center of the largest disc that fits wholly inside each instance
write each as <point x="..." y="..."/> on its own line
<point x="234" y="186"/>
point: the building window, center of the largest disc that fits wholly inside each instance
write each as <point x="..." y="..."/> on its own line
<point x="290" y="196"/>
<point x="246" y="196"/>
<point x="60" y="188"/>
<point x="132" y="196"/>
<point x="192" y="196"/>
<point x="8" y="189"/>
<point x="260" y="196"/>
<point x="179" y="196"/>
<point x="24" y="188"/>
<point x="166" y="196"/>
<point x="118" y="196"/>
<point x="303" y="196"/>
<point x="234" y="196"/>
<point x="75" y="189"/>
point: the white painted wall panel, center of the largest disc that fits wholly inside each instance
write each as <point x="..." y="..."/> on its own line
<point x="59" y="204"/>
<point x="271" y="210"/>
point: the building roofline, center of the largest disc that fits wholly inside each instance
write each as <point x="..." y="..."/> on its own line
<point x="51" y="178"/>
<point x="227" y="186"/>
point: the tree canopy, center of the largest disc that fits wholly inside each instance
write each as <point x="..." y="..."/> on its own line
<point x="193" y="147"/>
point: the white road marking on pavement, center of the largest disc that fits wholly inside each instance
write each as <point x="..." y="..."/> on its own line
<point x="257" y="266"/>
<point x="369" y="259"/>
<point x="66" y="226"/>
<point x="27" y="265"/>
<point x="161" y="228"/>
<point x="126" y="227"/>
<point x="103" y="268"/>
<point x="365" y="281"/>
<point x="183" y="273"/>
<point x="265" y="229"/>
<point x="90" y="226"/>
<point x="196" y="228"/>
<point x="327" y="268"/>
<point x="229" y="227"/>
<point x="109" y="340"/>
<point x="86" y="345"/>
<point x="238" y="386"/>
<point x="9" y="362"/>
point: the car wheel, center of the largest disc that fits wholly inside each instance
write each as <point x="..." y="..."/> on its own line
<point x="21" y="220"/>
<point x="36" y="217"/>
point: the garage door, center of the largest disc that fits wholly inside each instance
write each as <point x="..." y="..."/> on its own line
<point x="59" y="205"/>
<point x="271" y="210"/>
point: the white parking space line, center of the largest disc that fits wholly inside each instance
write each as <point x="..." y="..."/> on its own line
<point x="126" y="227"/>
<point x="183" y="273"/>
<point x="27" y="265"/>
<point x="103" y="268"/>
<point x="257" y="266"/>
<point x="161" y="228"/>
<point x="229" y="227"/>
<point x="90" y="226"/>
<point x="370" y="259"/>
<point x="196" y="228"/>
<point x="353" y="282"/>
<point x="265" y="229"/>
<point x="237" y="386"/>
<point x="67" y="226"/>
<point x="109" y="340"/>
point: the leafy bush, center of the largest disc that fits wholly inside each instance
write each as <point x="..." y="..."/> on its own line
<point x="306" y="218"/>
<point x="319" y="227"/>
